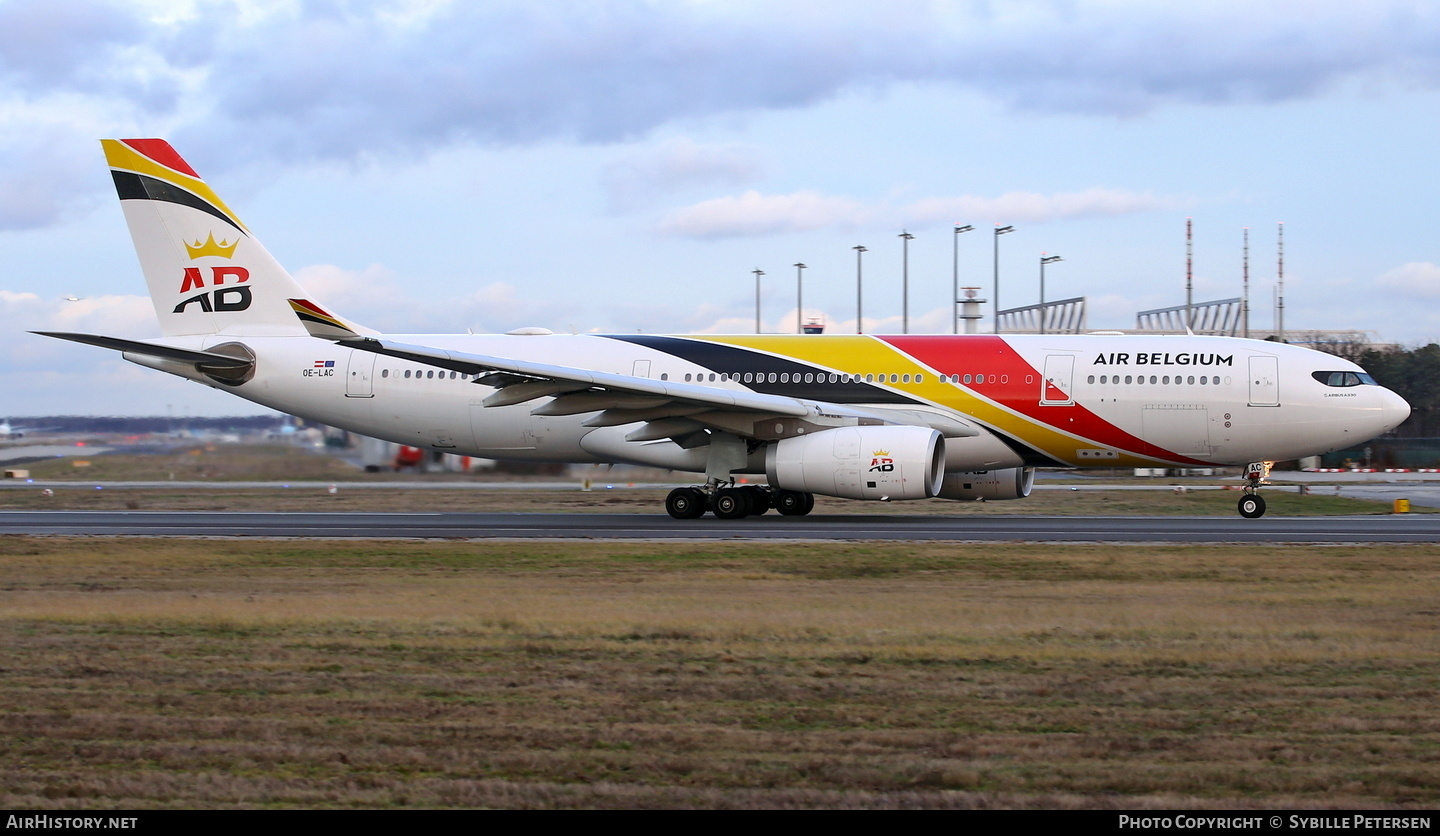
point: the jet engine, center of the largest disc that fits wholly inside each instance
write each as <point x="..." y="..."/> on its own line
<point x="882" y="462"/>
<point x="1010" y="483"/>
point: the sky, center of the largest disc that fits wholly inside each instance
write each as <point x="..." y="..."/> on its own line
<point x="623" y="166"/>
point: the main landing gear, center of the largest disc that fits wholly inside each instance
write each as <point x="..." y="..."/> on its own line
<point x="736" y="502"/>
<point x="1252" y="504"/>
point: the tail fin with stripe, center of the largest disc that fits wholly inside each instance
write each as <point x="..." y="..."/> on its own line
<point x="206" y="272"/>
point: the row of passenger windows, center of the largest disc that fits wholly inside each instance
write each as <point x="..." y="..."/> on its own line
<point x="429" y="374"/>
<point x="757" y="377"/>
<point x="809" y="377"/>
<point x="1163" y="380"/>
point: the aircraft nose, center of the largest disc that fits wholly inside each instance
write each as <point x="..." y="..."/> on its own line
<point x="1394" y="409"/>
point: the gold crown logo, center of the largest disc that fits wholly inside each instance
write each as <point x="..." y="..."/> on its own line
<point x="881" y="453"/>
<point x="224" y="249"/>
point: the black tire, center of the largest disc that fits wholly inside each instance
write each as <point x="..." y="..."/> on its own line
<point x="760" y="499"/>
<point x="794" y="503"/>
<point x="1252" y="506"/>
<point x="685" y="503"/>
<point x="731" y="504"/>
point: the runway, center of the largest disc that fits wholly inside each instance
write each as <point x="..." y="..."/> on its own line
<point x="1400" y="528"/>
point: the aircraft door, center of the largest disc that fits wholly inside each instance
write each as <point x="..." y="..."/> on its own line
<point x="359" y="378"/>
<point x="1264" y="381"/>
<point x="641" y="368"/>
<point x="1055" y="388"/>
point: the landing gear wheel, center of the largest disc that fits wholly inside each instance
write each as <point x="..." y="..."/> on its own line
<point x="760" y="499"/>
<point x="732" y="503"/>
<point x="685" y="503"/>
<point x="794" y="503"/>
<point x="1252" y="506"/>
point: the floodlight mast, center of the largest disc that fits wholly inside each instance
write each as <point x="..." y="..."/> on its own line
<point x="1044" y="260"/>
<point x="859" y="291"/>
<point x="999" y="230"/>
<point x="758" y="273"/>
<point x="905" y="282"/>
<point x="955" y="279"/>
<point x="799" y="298"/>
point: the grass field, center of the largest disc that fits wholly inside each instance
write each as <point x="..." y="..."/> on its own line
<point x="173" y="673"/>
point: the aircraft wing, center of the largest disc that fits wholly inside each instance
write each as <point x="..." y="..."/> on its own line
<point x="669" y="409"/>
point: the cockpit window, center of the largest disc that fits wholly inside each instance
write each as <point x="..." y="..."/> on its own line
<point x="1344" y="378"/>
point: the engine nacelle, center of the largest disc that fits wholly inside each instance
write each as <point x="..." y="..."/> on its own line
<point x="1010" y="483"/>
<point x="860" y="462"/>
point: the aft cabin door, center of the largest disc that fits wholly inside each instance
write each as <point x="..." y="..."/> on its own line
<point x="1059" y="374"/>
<point x="359" y="378"/>
<point x="1264" y="381"/>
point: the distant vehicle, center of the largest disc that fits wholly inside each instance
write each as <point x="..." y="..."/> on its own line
<point x="863" y="417"/>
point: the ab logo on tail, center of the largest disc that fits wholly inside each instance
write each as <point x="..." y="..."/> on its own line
<point x="222" y="298"/>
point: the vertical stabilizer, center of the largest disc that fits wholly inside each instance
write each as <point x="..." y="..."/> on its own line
<point x="206" y="273"/>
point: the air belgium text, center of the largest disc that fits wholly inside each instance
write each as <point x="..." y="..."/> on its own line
<point x="1164" y="358"/>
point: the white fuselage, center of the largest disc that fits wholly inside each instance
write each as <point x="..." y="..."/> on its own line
<point x="1095" y="400"/>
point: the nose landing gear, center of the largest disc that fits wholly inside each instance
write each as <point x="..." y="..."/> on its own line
<point x="1252" y="504"/>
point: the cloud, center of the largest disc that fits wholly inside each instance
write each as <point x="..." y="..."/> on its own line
<point x="376" y="297"/>
<point x="1029" y="207"/>
<point x="342" y="81"/>
<point x="677" y="165"/>
<point x="1418" y="279"/>
<point x="753" y="214"/>
<point x="65" y="44"/>
<point x="118" y="315"/>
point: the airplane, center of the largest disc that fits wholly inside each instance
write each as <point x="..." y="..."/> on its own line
<point x="869" y="417"/>
<point x="10" y="431"/>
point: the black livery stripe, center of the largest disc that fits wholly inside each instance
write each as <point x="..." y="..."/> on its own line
<point x="132" y="186"/>
<point x="719" y="357"/>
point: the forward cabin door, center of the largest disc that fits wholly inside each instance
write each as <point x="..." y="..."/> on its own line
<point x="1055" y="389"/>
<point x="1264" y="381"/>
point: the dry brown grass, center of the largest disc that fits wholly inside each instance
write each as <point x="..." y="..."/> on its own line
<point x="174" y="673"/>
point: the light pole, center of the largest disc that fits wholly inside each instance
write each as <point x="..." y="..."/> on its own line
<point x="999" y="230"/>
<point x="955" y="284"/>
<point x="859" y="296"/>
<point x="758" y="273"/>
<point x="905" y="282"/>
<point x="799" y="299"/>
<point x="1044" y="260"/>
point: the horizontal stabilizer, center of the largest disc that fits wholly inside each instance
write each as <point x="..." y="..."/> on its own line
<point x="165" y="352"/>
